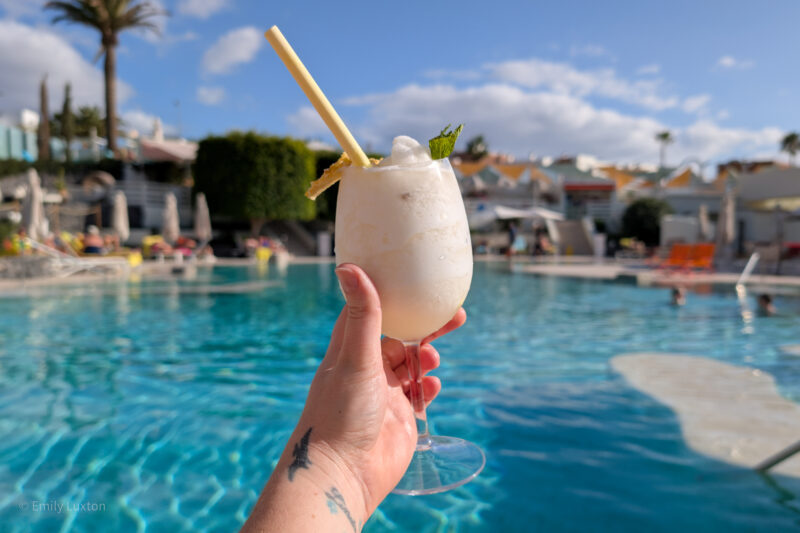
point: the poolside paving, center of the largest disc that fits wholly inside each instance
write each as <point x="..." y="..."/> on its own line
<point x="731" y="413"/>
<point x="644" y="276"/>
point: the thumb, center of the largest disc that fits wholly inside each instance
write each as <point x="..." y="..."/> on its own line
<point x="361" y="345"/>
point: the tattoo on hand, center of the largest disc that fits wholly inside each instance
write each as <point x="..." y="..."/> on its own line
<point x="336" y="500"/>
<point x="300" y="454"/>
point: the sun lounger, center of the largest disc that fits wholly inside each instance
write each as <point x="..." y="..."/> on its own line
<point x="701" y="258"/>
<point x="679" y="255"/>
<point x="69" y="265"/>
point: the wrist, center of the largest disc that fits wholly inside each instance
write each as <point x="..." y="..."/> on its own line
<point x="316" y="498"/>
<point x="333" y="471"/>
<point x="314" y="464"/>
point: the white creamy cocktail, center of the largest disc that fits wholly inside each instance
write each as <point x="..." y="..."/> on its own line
<point x="404" y="223"/>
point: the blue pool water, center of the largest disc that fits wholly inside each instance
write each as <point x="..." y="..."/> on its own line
<point x="163" y="405"/>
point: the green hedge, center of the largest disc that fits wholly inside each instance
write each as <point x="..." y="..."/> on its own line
<point x="247" y="176"/>
<point x="642" y="220"/>
<point x="9" y="167"/>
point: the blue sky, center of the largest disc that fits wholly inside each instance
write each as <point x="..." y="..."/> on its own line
<point x="533" y="77"/>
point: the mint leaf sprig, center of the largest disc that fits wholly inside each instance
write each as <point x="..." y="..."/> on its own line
<point x="442" y="145"/>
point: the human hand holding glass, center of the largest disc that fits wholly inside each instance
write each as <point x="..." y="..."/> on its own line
<point x="404" y="223"/>
<point x="357" y="434"/>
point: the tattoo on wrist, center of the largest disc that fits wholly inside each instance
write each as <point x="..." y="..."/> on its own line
<point x="300" y="454"/>
<point x="335" y="502"/>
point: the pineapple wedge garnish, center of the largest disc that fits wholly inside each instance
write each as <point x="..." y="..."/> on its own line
<point x="331" y="175"/>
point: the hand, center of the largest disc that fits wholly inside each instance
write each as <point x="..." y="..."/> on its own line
<point x="357" y="433"/>
<point x="357" y="404"/>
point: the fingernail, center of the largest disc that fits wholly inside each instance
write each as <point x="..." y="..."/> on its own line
<point x="348" y="280"/>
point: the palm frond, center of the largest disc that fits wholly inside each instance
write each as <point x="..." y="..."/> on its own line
<point x="78" y="11"/>
<point x="140" y="15"/>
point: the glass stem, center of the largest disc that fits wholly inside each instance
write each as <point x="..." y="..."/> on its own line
<point x="416" y="395"/>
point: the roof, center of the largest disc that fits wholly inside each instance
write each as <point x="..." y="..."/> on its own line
<point x="512" y="171"/>
<point x="684" y="179"/>
<point x="620" y="178"/>
<point x="469" y="168"/>
<point x="179" y="151"/>
<point x="773" y="184"/>
<point x="576" y="179"/>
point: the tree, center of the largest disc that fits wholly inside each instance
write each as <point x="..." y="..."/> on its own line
<point x="791" y="144"/>
<point x="43" y="139"/>
<point x="67" y="121"/>
<point x="477" y="148"/>
<point x="664" y="138"/>
<point x="642" y="220"/>
<point x="109" y="18"/>
<point x="246" y="176"/>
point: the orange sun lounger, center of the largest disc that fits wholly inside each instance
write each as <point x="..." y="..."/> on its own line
<point x="679" y="256"/>
<point x="701" y="258"/>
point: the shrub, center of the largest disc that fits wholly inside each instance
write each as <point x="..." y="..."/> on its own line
<point x="246" y="176"/>
<point x="642" y="220"/>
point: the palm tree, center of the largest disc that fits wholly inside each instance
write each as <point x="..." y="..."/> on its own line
<point x="791" y="144"/>
<point x="476" y="148"/>
<point x="109" y="17"/>
<point x="664" y="138"/>
<point x="44" y="123"/>
<point x="67" y="121"/>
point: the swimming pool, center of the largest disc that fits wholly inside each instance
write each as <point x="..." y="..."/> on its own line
<point x="163" y="405"/>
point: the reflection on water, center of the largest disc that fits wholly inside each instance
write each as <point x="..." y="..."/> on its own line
<point x="170" y="400"/>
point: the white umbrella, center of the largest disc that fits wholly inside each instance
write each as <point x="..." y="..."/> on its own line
<point x="726" y="223"/>
<point x="33" y="209"/>
<point x="704" y="223"/>
<point x="202" y="219"/>
<point x="170" y="224"/>
<point x="484" y="216"/>
<point x="120" y="222"/>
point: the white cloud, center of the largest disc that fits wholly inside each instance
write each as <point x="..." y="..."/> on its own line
<point x="234" y="48"/>
<point x="564" y="78"/>
<point x="696" y="103"/>
<point x="143" y="122"/>
<point x="708" y="139"/>
<point x="653" y="68"/>
<point x="38" y="52"/>
<point x="201" y="8"/>
<point x="723" y="114"/>
<point x="210" y="95"/>
<point x="306" y="122"/>
<point x="730" y="62"/>
<point x="518" y="121"/>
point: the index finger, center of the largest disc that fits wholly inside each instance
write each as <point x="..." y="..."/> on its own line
<point x="456" y="322"/>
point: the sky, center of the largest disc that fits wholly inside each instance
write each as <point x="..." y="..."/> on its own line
<point x="534" y="78"/>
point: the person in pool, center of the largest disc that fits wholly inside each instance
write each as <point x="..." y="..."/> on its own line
<point x="357" y="432"/>
<point x="765" y="305"/>
<point x="678" y="296"/>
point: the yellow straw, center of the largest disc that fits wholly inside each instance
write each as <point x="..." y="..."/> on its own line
<point x="315" y="95"/>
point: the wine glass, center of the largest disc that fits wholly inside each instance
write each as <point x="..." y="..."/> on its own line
<point x="405" y="226"/>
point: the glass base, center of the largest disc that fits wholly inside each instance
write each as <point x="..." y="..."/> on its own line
<point x="444" y="465"/>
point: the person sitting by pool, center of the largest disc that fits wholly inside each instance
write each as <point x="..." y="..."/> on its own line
<point x="357" y="432"/>
<point x="765" y="305"/>
<point x="678" y="296"/>
<point x="93" y="242"/>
